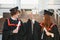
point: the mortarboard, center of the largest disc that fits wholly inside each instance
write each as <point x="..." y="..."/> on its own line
<point x="48" y="12"/>
<point x="14" y="9"/>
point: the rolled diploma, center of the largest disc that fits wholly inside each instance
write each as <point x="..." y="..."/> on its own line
<point x="19" y="23"/>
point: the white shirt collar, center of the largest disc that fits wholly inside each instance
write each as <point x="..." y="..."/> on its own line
<point x="13" y="18"/>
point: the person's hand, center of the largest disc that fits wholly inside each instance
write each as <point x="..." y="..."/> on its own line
<point x="52" y="35"/>
<point x="49" y="34"/>
<point x="15" y="31"/>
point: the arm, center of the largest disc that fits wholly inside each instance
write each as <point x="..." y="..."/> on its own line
<point x="6" y="31"/>
<point x="56" y="33"/>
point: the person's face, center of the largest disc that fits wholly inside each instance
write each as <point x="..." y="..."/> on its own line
<point x="32" y="16"/>
<point x="23" y="11"/>
<point x="17" y="15"/>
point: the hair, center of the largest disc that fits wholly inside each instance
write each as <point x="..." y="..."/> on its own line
<point x="14" y="12"/>
<point x="47" y="21"/>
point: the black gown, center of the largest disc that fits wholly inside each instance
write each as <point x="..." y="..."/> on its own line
<point x="54" y="30"/>
<point x="29" y="35"/>
<point x="7" y="30"/>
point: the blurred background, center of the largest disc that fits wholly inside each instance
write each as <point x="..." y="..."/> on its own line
<point x="27" y="7"/>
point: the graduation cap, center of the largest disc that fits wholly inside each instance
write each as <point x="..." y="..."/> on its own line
<point x="14" y="9"/>
<point x="48" y="12"/>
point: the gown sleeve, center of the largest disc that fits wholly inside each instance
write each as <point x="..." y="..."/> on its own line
<point x="56" y="33"/>
<point x="22" y="31"/>
<point x="37" y="31"/>
<point x="6" y="31"/>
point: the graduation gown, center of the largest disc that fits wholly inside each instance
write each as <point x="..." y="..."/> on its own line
<point x="54" y="30"/>
<point x="8" y="28"/>
<point x="32" y="35"/>
<point x="24" y="31"/>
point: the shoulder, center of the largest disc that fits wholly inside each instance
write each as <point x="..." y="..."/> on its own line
<point x="41" y="24"/>
<point x="7" y="19"/>
<point x="54" y="25"/>
<point x="37" y="22"/>
<point x="29" y="19"/>
<point x="20" y="21"/>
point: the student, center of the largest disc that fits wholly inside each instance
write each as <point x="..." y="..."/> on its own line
<point x="12" y="29"/>
<point x="31" y="29"/>
<point x="49" y="30"/>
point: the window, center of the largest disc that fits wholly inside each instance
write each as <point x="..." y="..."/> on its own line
<point x="7" y="1"/>
<point x="29" y="4"/>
